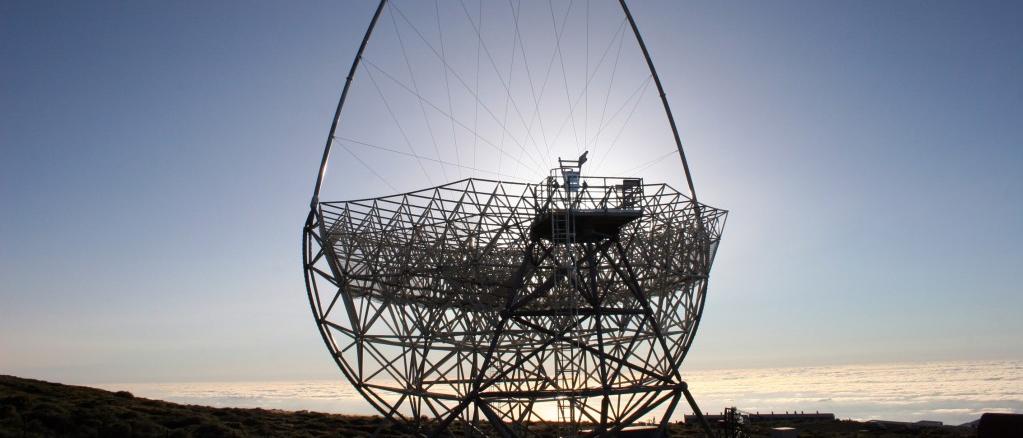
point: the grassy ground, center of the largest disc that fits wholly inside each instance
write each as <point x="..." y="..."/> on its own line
<point x="32" y="408"/>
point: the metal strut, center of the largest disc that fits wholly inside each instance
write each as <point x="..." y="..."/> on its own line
<point x="312" y="239"/>
<point x="664" y="97"/>
<point x="689" y="181"/>
<point x="341" y="104"/>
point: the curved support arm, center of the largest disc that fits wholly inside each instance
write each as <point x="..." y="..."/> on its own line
<point x="664" y="98"/>
<point x="365" y="41"/>
<point x="341" y="104"/>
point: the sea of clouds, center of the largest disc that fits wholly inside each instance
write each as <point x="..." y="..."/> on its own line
<point x="952" y="392"/>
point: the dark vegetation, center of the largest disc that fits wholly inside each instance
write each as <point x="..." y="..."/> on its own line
<point x="36" y="408"/>
<point x="33" y="408"/>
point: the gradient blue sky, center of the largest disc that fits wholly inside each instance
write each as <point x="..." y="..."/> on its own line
<point x="157" y="161"/>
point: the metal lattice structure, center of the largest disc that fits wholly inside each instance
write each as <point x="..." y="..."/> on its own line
<point x="463" y="300"/>
<point x="488" y="307"/>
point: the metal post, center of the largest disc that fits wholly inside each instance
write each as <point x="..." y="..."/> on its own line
<point x="696" y="410"/>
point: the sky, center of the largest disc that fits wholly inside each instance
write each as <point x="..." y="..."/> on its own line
<point x="158" y="161"/>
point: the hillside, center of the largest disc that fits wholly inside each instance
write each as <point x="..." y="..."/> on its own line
<point x="36" y="408"/>
<point x="33" y="408"/>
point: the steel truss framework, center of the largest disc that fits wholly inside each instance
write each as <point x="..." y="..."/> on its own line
<point x="441" y="303"/>
<point x="447" y="303"/>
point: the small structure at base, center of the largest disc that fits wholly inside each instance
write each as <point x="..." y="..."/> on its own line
<point x="756" y="417"/>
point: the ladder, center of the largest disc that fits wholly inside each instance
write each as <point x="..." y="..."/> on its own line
<point x="569" y="416"/>
<point x="567" y="359"/>
<point x="562" y="227"/>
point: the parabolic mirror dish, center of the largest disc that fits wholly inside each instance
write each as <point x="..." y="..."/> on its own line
<point x="489" y="306"/>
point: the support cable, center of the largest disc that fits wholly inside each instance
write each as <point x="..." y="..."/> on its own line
<point x="625" y="124"/>
<point x="369" y="168"/>
<point x="586" y="85"/>
<point x="341" y="103"/>
<point x="511" y="72"/>
<point x="579" y="98"/>
<point x="464" y="84"/>
<point x="564" y="74"/>
<point x="415" y="86"/>
<point x="407" y="154"/>
<point x="610" y="86"/>
<point x="532" y="88"/>
<point x="447" y="87"/>
<point x="436" y="108"/>
<point x="401" y="130"/>
<point x="546" y="79"/>
<point x="647" y="164"/>
<point x="497" y="72"/>
<point x="664" y="98"/>
<point x="476" y="116"/>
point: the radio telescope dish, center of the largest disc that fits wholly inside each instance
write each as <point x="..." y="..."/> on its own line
<point x="545" y="297"/>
